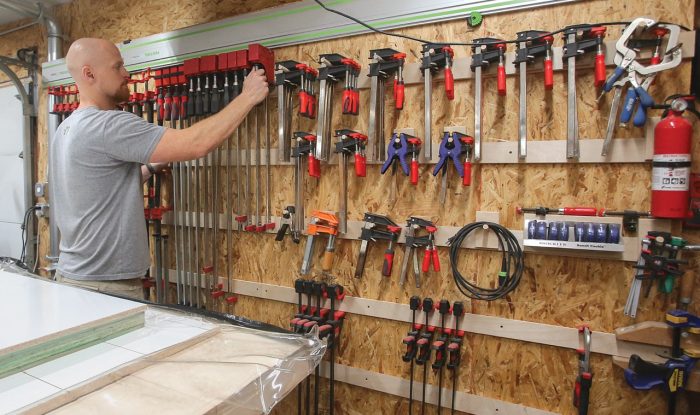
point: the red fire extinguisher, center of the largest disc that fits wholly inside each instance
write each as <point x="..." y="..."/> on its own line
<point x="670" y="176"/>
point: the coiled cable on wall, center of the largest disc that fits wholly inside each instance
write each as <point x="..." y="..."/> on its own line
<point x="511" y="262"/>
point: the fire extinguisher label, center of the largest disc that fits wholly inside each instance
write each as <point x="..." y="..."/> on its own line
<point x="671" y="172"/>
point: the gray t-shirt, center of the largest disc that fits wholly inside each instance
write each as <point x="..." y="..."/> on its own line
<point x="98" y="204"/>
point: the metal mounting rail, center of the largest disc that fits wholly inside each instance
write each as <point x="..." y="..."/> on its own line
<point x="291" y="24"/>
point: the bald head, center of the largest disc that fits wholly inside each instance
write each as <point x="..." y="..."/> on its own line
<point x="87" y="52"/>
<point x="98" y="70"/>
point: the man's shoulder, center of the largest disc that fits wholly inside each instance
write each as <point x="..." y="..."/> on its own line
<point x="93" y="112"/>
<point x="115" y="115"/>
<point x="93" y="118"/>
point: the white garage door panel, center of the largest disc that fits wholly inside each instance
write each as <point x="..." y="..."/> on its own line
<point x="11" y="173"/>
<point x="10" y="122"/>
<point x="10" y="240"/>
<point x="11" y="196"/>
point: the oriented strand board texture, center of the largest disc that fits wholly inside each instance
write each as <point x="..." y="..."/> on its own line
<point x="554" y="290"/>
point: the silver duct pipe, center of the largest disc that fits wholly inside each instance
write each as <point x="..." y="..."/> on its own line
<point x="54" y="38"/>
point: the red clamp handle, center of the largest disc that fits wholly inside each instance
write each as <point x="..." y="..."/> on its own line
<point x="436" y="259"/>
<point x="355" y="102"/>
<point x="303" y="103"/>
<point x="314" y="166"/>
<point x="501" y="80"/>
<point x="388" y="264"/>
<point x="399" y="94"/>
<point x="599" y="70"/>
<point x="167" y="104"/>
<point x="347" y="101"/>
<point x="467" y="179"/>
<point x="161" y="111"/>
<point x="425" y="266"/>
<point x="311" y="111"/>
<point x="548" y="74"/>
<point x="580" y="211"/>
<point x="414" y="172"/>
<point x="360" y="165"/>
<point x="449" y="84"/>
<point x="183" y="106"/>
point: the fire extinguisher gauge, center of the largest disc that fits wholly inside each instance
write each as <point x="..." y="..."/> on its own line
<point x="679" y="105"/>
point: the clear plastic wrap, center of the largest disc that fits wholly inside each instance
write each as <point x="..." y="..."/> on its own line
<point x="12" y="265"/>
<point x="189" y="365"/>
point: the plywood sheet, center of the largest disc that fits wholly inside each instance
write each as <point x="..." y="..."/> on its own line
<point x="219" y="374"/>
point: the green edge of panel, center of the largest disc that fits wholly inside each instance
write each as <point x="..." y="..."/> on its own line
<point x="20" y="360"/>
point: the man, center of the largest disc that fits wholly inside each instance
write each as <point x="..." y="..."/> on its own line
<point x="99" y="160"/>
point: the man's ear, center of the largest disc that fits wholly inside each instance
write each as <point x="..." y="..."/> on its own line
<point x="87" y="73"/>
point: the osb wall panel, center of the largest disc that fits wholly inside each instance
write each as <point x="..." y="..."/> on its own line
<point x="554" y="290"/>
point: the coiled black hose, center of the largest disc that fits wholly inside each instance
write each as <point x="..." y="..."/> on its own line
<point x="511" y="262"/>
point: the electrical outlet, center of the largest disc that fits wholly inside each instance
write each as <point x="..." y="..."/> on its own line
<point x="42" y="210"/>
<point x="41" y="189"/>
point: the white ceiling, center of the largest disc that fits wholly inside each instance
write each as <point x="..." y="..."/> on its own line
<point x="7" y="15"/>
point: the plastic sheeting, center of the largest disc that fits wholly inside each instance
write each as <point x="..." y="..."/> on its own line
<point x="182" y="363"/>
<point x="236" y="371"/>
<point x="225" y="369"/>
<point x="11" y="265"/>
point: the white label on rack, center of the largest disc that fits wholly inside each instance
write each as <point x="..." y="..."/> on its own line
<point x="590" y="246"/>
<point x="670" y="178"/>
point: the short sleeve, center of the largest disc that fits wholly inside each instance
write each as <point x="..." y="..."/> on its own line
<point x="128" y="137"/>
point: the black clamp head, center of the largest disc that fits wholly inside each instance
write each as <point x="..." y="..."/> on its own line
<point x="443" y="307"/>
<point x="490" y="51"/>
<point x="428" y="304"/>
<point x="350" y="141"/>
<point x="414" y="303"/>
<point x="458" y="309"/>
<point x="455" y="354"/>
<point x="318" y="288"/>
<point x="411" y="349"/>
<point x="424" y="343"/>
<point x="334" y="67"/>
<point x="537" y="43"/>
<point x="334" y="291"/>
<point x="299" y="286"/>
<point x="305" y="143"/>
<point x="415" y="221"/>
<point x="587" y="39"/>
<point x="385" y="62"/>
<point x="287" y="73"/>
<point x="379" y="220"/>
<point x="440" y="356"/>
<point x="309" y="287"/>
<point x="436" y="56"/>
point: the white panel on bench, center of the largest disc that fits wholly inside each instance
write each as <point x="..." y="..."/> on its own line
<point x="34" y="310"/>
